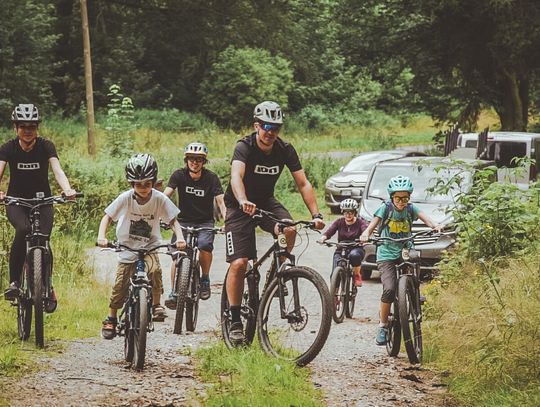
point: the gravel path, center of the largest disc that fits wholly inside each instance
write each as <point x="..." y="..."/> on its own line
<point x="351" y="370"/>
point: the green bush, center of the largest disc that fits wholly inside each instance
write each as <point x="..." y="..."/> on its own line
<point x="239" y="80"/>
<point x="173" y="120"/>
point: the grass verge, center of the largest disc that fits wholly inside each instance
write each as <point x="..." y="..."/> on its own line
<point x="249" y="377"/>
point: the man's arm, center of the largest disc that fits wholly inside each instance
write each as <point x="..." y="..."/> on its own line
<point x="238" y="170"/>
<point x="2" y="169"/>
<point x="61" y="177"/>
<point x="221" y="205"/>
<point x="308" y="195"/>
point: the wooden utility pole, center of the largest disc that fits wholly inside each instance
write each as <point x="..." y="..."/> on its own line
<point x="90" y="119"/>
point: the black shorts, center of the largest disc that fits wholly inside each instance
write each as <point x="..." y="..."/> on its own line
<point x="240" y="229"/>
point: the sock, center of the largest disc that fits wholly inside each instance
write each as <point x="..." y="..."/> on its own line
<point x="382" y="325"/>
<point x="235" y="313"/>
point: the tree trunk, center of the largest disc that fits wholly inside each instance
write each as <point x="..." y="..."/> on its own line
<point x="515" y="102"/>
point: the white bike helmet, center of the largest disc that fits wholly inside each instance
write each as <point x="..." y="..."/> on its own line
<point x="141" y="167"/>
<point x="348" y="204"/>
<point x="25" y="113"/>
<point x="196" y="149"/>
<point x="268" y="112"/>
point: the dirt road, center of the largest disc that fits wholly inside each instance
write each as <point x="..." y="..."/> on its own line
<point x="351" y="370"/>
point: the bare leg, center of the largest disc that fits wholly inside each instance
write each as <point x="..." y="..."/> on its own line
<point x="205" y="258"/>
<point x="235" y="280"/>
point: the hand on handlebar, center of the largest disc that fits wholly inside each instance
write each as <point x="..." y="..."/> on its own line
<point x="70" y="194"/>
<point x="364" y="238"/>
<point x="248" y="207"/>
<point x="102" y="242"/>
<point x="318" y="224"/>
<point x="181" y="244"/>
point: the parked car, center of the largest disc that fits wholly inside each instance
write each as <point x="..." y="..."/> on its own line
<point x="421" y="171"/>
<point x="350" y="181"/>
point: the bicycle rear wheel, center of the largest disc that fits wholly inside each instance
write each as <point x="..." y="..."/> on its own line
<point x="192" y="304"/>
<point x="248" y="310"/>
<point x="338" y="291"/>
<point x="37" y="296"/>
<point x="181" y="290"/>
<point x="410" y="318"/>
<point x="24" y="305"/>
<point x="302" y="332"/>
<point x="140" y="326"/>
<point x="393" y="340"/>
<point x="352" y="290"/>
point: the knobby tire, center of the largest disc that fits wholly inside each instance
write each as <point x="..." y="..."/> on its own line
<point x="192" y="305"/>
<point x="38" y="296"/>
<point x="409" y="314"/>
<point x="140" y="329"/>
<point x="24" y="305"/>
<point x="181" y="290"/>
<point x="393" y="340"/>
<point x="352" y="291"/>
<point x="338" y="291"/>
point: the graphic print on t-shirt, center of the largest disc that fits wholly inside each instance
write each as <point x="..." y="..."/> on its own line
<point x="194" y="191"/>
<point x="264" y="170"/>
<point x="399" y="228"/>
<point x="28" y="166"/>
<point x="140" y="230"/>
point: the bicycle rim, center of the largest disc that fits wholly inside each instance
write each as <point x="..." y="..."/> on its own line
<point x="38" y="296"/>
<point x="393" y="340"/>
<point x="248" y="312"/>
<point x="181" y="290"/>
<point x="24" y="306"/>
<point x="338" y="291"/>
<point x="192" y="305"/>
<point x="302" y="333"/>
<point x="409" y="315"/>
<point x="140" y="329"/>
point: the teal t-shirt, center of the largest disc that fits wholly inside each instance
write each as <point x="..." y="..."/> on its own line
<point x="398" y="227"/>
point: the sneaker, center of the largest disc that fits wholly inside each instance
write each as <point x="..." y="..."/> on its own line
<point x="358" y="280"/>
<point x="158" y="313"/>
<point x="205" y="288"/>
<point x="422" y="299"/>
<point x="50" y="303"/>
<point x="171" y="301"/>
<point x="381" y="336"/>
<point x="108" y="328"/>
<point x="236" y="333"/>
<point x="12" y="292"/>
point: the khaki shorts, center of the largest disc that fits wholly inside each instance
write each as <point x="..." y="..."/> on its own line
<point x="126" y="270"/>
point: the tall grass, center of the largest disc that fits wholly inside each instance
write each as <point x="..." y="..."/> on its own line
<point x="249" y="377"/>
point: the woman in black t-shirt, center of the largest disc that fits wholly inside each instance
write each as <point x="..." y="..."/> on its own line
<point x="29" y="157"/>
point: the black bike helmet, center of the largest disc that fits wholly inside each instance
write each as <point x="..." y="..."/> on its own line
<point x="141" y="167"/>
<point x="25" y="113"/>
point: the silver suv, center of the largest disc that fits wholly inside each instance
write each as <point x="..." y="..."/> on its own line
<point x="421" y="171"/>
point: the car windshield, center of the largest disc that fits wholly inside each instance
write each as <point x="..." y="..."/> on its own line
<point x="365" y="162"/>
<point x="422" y="177"/>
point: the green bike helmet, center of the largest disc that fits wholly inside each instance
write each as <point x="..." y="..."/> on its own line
<point x="400" y="183"/>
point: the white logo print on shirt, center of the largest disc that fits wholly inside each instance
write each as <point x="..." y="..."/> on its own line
<point x="28" y="166"/>
<point x="196" y="192"/>
<point x="263" y="170"/>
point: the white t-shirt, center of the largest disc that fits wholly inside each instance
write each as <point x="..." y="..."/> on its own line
<point x="138" y="225"/>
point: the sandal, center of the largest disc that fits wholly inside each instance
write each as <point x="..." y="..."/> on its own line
<point x="108" y="328"/>
<point x="158" y="313"/>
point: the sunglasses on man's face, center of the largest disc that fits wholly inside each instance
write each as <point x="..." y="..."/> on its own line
<point x="271" y="127"/>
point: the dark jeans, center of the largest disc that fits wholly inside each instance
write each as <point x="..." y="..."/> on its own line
<point x="355" y="255"/>
<point x="19" y="218"/>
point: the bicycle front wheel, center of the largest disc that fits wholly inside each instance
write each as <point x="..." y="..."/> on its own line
<point x="299" y="330"/>
<point x="24" y="305"/>
<point x="37" y="296"/>
<point x="338" y="291"/>
<point x="351" y="296"/>
<point x="181" y="290"/>
<point x="192" y="302"/>
<point x="140" y="325"/>
<point x="410" y="318"/>
<point x="393" y="340"/>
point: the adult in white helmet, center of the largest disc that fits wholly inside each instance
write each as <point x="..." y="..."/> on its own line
<point x="198" y="188"/>
<point x="257" y="163"/>
<point x="29" y="157"/>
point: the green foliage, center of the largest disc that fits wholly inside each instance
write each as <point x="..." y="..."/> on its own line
<point x="239" y="80"/>
<point x="249" y="377"/>
<point x="173" y="120"/>
<point x="119" y="123"/>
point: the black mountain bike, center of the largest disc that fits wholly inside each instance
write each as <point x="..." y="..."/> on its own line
<point x="186" y="284"/>
<point x="135" y="320"/>
<point x="342" y="288"/>
<point x="293" y="314"/>
<point x="36" y="277"/>
<point x="406" y="311"/>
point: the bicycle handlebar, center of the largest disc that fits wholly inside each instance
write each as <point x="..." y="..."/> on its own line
<point x="37" y="202"/>
<point x="118" y="247"/>
<point x="259" y="213"/>
<point x="341" y="244"/>
<point x="409" y="238"/>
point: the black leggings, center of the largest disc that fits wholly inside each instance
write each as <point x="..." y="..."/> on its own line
<point x="19" y="217"/>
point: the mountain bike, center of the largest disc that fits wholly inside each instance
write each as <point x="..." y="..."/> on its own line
<point x="293" y="314"/>
<point x="36" y="277"/>
<point x="135" y="320"/>
<point x="405" y="317"/>
<point x="342" y="288"/>
<point x="186" y="283"/>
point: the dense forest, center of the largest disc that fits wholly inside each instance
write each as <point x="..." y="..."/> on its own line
<point x="219" y="58"/>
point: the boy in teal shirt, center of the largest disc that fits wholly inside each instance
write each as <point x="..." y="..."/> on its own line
<point x="397" y="219"/>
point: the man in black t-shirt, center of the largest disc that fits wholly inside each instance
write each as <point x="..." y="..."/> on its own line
<point x="257" y="163"/>
<point x="197" y="188"/>
<point x="29" y="157"/>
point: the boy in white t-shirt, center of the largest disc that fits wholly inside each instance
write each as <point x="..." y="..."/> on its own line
<point x="138" y="212"/>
